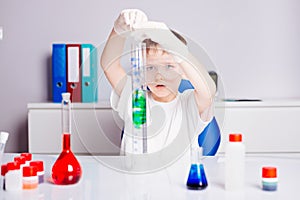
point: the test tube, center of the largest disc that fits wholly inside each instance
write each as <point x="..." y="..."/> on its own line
<point x="138" y="60"/>
<point x="3" y="139"/>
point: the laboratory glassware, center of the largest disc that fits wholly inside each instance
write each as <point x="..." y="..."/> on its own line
<point x="197" y="178"/>
<point x="139" y="101"/>
<point x="66" y="169"/>
<point x="3" y="139"/>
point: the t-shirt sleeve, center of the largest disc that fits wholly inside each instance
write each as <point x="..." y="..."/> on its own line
<point x="120" y="103"/>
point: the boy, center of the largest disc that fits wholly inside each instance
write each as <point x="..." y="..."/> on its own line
<point x="170" y="114"/>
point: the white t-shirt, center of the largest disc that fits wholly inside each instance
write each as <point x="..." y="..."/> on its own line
<point x="165" y="121"/>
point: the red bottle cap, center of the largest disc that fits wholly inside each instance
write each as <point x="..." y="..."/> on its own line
<point x="235" y="137"/>
<point x="29" y="171"/>
<point x="3" y="169"/>
<point x="20" y="159"/>
<point x="13" y="166"/>
<point x="269" y="172"/>
<point x="38" y="164"/>
<point x="28" y="156"/>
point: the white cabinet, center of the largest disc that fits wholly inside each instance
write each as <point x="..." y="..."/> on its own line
<point x="267" y="126"/>
<point x="95" y="128"/>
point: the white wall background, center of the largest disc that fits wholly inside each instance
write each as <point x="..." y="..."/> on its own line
<point x="254" y="44"/>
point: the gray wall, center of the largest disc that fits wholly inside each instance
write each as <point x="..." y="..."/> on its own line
<point x="254" y="45"/>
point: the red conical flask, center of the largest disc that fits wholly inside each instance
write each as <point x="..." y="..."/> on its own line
<point x="66" y="169"/>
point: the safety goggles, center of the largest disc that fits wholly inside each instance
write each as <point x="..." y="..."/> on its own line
<point x="169" y="72"/>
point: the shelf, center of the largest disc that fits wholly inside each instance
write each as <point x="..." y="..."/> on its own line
<point x="267" y="126"/>
<point x="98" y="105"/>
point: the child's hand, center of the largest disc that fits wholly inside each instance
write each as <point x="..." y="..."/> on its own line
<point x="161" y="34"/>
<point x="128" y="20"/>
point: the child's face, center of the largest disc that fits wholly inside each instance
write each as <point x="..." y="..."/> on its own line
<point x="163" y="75"/>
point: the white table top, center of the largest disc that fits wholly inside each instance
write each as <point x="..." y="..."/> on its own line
<point x="238" y="103"/>
<point x="102" y="182"/>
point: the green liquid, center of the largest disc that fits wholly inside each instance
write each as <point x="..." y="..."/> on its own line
<point x="139" y="108"/>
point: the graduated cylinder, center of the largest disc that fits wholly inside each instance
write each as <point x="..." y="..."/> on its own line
<point x="139" y="101"/>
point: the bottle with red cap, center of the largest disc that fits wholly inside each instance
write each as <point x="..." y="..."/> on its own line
<point x="269" y="178"/>
<point x="21" y="160"/>
<point x="28" y="158"/>
<point x="40" y="169"/>
<point x="13" y="177"/>
<point x="30" y="178"/>
<point x="234" y="163"/>
<point x="3" y="172"/>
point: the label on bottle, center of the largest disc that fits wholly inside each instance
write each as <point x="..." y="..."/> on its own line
<point x="234" y="166"/>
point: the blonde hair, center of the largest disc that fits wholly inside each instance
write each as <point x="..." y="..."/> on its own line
<point x="153" y="46"/>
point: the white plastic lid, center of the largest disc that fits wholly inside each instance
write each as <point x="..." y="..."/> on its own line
<point x="66" y="96"/>
<point x="3" y="137"/>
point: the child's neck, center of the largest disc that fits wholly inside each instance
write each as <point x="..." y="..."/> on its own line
<point x="165" y="99"/>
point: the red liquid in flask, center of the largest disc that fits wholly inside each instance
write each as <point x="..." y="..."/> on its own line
<point x="66" y="170"/>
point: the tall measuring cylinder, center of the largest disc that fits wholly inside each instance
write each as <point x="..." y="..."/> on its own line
<point x="139" y="101"/>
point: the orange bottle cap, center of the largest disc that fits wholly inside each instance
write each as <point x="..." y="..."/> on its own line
<point x="13" y="166"/>
<point x="3" y="169"/>
<point x="29" y="171"/>
<point x="39" y="164"/>
<point x="235" y="137"/>
<point x="20" y="159"/>
<point x="28" y="156"/>
<point x="269" y="172"/>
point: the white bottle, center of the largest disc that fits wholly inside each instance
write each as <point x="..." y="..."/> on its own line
<point x="13" y="177"/>
<point x="234" y="163"/>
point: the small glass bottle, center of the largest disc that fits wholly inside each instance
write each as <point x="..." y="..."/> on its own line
<point x="269" y="178"/>
<point x="40" y="169"/>
<point x="3" y="172"/>
<point x="234" y="163"/>
<point x="30" y="178"/>
<point x="66" y="169"/>
<point x="13" y="177"/>
<point x="197" y="178"/>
